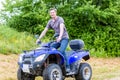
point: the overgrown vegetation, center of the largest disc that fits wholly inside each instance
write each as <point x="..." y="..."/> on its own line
<point x="97" y="22"/>
<point x="97" y="27"/>
<point x="15" y="42"/>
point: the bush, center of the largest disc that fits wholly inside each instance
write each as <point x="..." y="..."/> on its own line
<point x="32" y="16"/>
<point x="98" y="28"/>
<point x="15" y="42"/>
<point x="97" y="22"/>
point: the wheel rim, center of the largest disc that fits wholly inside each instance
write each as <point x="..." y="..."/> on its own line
<point x="55" y="74"/>
<point x="86" y="73"/>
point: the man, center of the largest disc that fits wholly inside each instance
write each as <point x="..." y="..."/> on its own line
<point x="57" y="24"/>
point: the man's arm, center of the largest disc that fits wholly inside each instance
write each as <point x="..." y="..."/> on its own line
<point x="61" y="32"/>
<point x="43" y="33"/>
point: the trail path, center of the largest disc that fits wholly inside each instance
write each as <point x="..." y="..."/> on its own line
<point x="103" y="69"/>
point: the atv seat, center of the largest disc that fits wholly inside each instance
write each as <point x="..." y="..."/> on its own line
<point x="76" y="44"/>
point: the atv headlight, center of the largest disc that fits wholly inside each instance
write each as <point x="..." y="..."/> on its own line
<point x="20" y="58"/>
<point x="39" y="58"/>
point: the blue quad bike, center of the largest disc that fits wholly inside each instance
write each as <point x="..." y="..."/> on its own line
<point x="49" y="63"/>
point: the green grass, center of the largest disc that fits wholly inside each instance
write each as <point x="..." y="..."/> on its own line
<point x="15" y="42"/>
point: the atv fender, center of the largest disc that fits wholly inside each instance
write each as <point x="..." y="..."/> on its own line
<point x="78" y="56"/>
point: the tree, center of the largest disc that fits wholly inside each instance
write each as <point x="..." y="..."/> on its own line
<point x="26" y="15"/>
<point x="97" y="22"/>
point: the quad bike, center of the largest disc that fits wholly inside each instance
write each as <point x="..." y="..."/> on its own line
<point x="49" y="63"/>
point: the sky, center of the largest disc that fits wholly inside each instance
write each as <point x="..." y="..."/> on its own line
<point x="1" y="4"/>
<point x="1" y="20"/>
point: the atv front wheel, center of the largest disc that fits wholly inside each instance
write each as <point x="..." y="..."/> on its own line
<point x="52" y="72"/>
<point x="84" y="73"/>
<point x="24" y="76"/>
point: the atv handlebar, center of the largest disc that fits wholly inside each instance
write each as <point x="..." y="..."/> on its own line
<point x="39" y="42"/>
<point x="51" y="39"/>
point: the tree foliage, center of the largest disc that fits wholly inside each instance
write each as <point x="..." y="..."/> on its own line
<point x="98" y="27"/>
<point x="32" y="15"/>
<point x="97" y="22"/>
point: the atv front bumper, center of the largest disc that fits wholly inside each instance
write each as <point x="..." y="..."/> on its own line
<point x="34" y="68"/>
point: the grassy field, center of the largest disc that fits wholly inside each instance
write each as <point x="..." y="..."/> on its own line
<point x="12" y="41"/>
<point x="103" y="68"/>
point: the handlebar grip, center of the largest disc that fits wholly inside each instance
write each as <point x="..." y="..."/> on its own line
<point x="39" y="42"/>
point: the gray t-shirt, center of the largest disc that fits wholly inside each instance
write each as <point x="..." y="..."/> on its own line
<point x="55" y="25"/>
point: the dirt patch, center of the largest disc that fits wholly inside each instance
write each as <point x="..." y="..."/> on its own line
<point x="103" y="68"/>
<point x="116" y="78"/>
<point x="8" y="66"/>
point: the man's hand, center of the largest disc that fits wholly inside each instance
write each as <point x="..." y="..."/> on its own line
<point x="38" y="41"/>
<point x="59" y="39"/>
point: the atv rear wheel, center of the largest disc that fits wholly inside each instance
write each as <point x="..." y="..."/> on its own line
<point x="52" y="72"/>
<point x="84" y="73"/>
<point x="24" y="76"/>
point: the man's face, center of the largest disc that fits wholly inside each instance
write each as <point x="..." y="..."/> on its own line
<point x="53" y="13"/>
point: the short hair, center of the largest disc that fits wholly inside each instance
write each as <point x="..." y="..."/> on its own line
<point x="53" y="9"/>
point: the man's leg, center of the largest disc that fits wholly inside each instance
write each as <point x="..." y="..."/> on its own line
<point x="63" y="46"/>
<point x="55" y="45"/>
